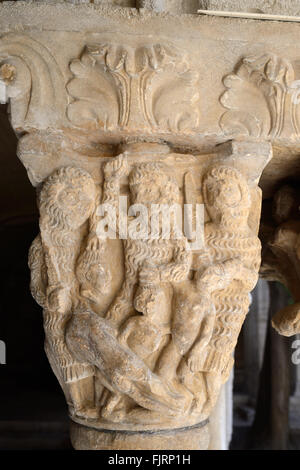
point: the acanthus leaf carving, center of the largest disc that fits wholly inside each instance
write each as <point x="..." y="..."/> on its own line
<point x="97" y="99"/>
<point x="258" y="97"/>
<point x="117" y="86"/>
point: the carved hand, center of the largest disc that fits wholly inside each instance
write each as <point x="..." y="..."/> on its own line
<point x="178" y="270"/>
<point x="235" y="269"/>
<point x="116" y="167"/>
<point x="59" y="300"/>
<point x="93" y="242"/>
<point x="213" y="278"/>
<point x="220" y="275"/>
<point x="249" y="278"/>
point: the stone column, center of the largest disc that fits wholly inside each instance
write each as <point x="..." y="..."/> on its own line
<point x="141" y="320"/>
<point x="173" y="6"/>
<point x="221" y="418"/>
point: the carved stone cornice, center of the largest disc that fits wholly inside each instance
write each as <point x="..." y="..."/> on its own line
<point x="34" y="85"/>
<point x="50" y="87"/>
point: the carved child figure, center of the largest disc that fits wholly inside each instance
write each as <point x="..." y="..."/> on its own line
<point x="144" y="333"/>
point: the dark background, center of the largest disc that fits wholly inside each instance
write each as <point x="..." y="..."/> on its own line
<point x="33" y="413"/>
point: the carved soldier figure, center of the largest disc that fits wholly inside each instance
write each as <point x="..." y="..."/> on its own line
<point x="66" y="202"/>
<point x="205" y="330"/>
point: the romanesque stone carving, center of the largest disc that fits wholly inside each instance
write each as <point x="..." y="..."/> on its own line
<point x="261" y="96"/>
<point x="156" y="354"/>
<point x="66" y="202"/>
<point x="121" y="86"/>
<point x="113" y="104"/>
<point x="33" y="78"/>
<point x="173" y="6"/>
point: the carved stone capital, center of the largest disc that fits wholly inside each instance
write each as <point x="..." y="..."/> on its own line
<point x="141" y="329"/>
<point x="121" y="112"/>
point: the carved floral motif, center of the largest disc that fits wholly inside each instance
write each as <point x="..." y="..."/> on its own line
<point x="121" y="86"/>
<point x="261" y="98"/>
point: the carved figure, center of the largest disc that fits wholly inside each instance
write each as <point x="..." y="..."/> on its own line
<point x="166" y="340"/>
<point x="235" y="254"/>
<point x="112" y="338"/>
<point x="66" y="202"/>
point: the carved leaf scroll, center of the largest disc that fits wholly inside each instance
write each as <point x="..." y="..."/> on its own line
<point x="35" y="84"/>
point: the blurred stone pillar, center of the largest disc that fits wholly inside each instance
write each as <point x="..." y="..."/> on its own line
<point x="221" y="418"/>
<point x="254" y="334"/>
<point x="173" y="6"/>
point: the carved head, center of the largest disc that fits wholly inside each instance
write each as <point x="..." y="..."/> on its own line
<point x="154" y="302"/>
<point x="226" y="194"/>
<point x="150" y="184"/>
<point x="93" y="274"/>
<point x="67" y="198"/>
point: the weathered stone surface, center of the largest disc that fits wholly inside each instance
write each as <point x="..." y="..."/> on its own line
<point x="217" y="51"/>
<point x="174" y="6"/>
<point x="140" y="330"/>
<point x="146" y="343"/>
<point x="275" y="7"/>
<point x="195" y="438"/>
